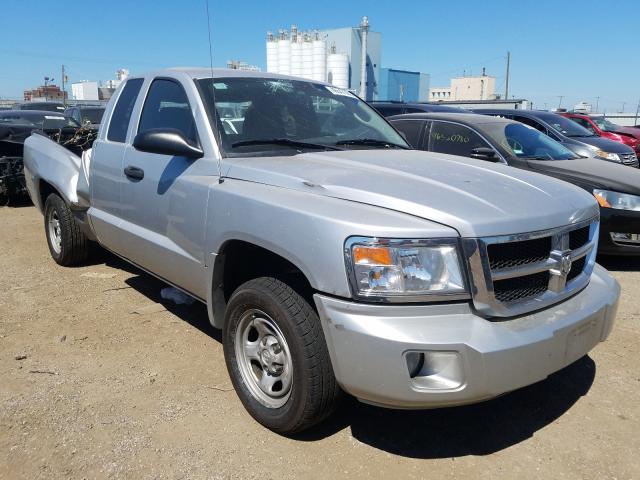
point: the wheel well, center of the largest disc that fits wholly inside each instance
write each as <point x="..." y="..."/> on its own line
<point x="45" y="190"/>
<point x="244" y="261"/>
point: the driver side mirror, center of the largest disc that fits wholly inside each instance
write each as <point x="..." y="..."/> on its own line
<point x="484" y="153"/>
<point x="166" y="141"/>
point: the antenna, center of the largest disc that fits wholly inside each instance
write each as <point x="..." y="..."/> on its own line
<point x="214" y="128"/>
<point x="206" y="3"/>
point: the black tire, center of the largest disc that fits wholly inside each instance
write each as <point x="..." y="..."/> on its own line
<point x="314" y="392"/>
<point x="73" y="246"/>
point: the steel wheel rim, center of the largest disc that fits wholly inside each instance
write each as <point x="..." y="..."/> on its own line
<point x="264" y="359"/>
<point x="55" y="235"/>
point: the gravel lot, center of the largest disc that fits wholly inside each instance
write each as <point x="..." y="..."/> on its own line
<point x="100" y="380"/>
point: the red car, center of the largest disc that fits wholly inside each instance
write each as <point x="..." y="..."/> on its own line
<point x="601" y="126"/>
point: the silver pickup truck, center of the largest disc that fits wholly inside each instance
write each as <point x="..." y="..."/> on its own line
<point x="333" y="257"/>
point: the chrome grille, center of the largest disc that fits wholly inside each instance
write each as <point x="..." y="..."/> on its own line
<point x="514" y="274"/>
<point x="629" y="159"/>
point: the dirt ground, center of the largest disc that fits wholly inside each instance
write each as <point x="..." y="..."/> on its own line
<point x="100" y="380"/>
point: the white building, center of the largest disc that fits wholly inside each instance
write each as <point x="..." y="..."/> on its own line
<point x="465" y="88"/>
<point x="85" y="90"/>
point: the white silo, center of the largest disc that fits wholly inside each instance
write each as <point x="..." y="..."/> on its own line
<point x="272" y="53"/>
<point x="296" y="52"/>
<point x="307" y="57"/>
<point x="319" y="59"/>
<point x="284" y="53"/>
<point x="338" y="69"/>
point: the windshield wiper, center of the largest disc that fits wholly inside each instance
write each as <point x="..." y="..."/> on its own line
<point x="371" y="141"/>
<point x="285" y="142"/>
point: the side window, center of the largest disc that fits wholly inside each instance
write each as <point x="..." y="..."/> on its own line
<point x="531" y="122"/>
<point x="166" y="106"/>
<point x="122" y="111"/>
<point x="454" y="139"/>
<point x="411" y="129"/>
<point x="584" y="123"/>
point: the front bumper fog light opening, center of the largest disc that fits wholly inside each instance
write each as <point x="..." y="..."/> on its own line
<point x="626" y="238"/>
<point x="435" y="370"/>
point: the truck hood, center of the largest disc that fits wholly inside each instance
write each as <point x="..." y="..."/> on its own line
<point x="590" y="173"/>
<point x="472" y="196"/>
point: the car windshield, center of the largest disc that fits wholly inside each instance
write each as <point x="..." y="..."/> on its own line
<point x="527" y="142"/>
<point x="567" y="126"/>
<point x="91" y="115"/>
<point x="38" y="120"/>
<point x="605" y="125"/>
<point x="257" y="116"/>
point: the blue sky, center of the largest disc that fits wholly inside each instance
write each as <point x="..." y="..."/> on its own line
<point x="580" y="49"/>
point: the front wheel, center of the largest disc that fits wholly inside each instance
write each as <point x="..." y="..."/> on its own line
<point x="68" y="245"/>
<point x="277" y="356"/>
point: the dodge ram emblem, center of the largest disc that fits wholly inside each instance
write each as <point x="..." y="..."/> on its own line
<point x="565" y="265"/>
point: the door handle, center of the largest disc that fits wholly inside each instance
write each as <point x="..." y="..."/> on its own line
<point x="134" y="173"/>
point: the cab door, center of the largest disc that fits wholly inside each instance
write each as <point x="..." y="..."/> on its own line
<point x="106" y="176"/>
<point x="164" y="197"/>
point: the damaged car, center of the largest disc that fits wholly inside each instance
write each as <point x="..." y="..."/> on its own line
<point x="16" y="126"/>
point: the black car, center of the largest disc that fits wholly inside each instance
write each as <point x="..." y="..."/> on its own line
<point x="615" y="187"/>
<point x="42" y="106"/>
<point x="86" y="114"/>
<point x="388" y="109"/>
<point x="15" y="127"/>
<point x="572" y="135"/>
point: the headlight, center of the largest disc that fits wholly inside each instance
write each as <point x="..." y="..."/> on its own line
<point x="614" y="157"/>
<point x="404" y="270"/>
<point x="622" y="201"/>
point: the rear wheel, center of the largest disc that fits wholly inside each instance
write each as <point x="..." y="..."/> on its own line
<point x="277" y="356"/>
<point x="67" y="244"/>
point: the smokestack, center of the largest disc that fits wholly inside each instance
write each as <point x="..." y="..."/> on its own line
<point x="364" y="30"/>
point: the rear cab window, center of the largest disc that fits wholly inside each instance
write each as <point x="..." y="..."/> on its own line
<point x="121" y="115"/>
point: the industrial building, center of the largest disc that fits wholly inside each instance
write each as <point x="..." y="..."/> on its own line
<point x="403" y="86"/>
<point x="466" y="88"/>
<point x="44" y="93"/>
<point x="347" y="57"/>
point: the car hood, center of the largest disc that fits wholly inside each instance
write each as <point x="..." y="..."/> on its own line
<point x="589" y="173"/>
<point x="474" y="197"/>
<point x="631" y="131"/>
<point x="605" y="144"/>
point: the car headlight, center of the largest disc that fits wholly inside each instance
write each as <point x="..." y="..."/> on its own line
<point x="404" y="270"/>
<point x="613" y="157"/>
<point x="622" y="201"/>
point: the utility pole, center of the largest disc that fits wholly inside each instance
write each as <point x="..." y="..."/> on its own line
<point x="64" y="97"/>
<point x="560" y="102"/>
<point x="637" y="111"/>
<point x="506" y="81"/>
<point x="623" y="104"/>
<point x="597" y="102"/>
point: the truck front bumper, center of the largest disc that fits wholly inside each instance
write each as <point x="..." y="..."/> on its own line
<point x="455" y="356"/>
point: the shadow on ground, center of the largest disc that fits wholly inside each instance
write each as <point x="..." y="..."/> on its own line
<point x="443" y="433"/>
<point x="620" y="263"/>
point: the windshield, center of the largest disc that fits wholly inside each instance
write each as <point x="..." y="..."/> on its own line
<point x="258" y="116"/>
<point x="605" y="125"/>
<point x="527" y="142"/>
<point x="91" y="115"/>
<point x="38" y="120"/>
<point x="567" y="126"/>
